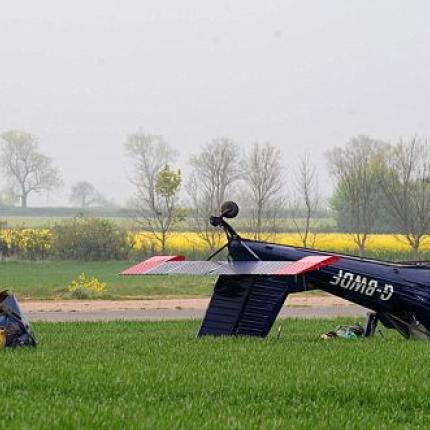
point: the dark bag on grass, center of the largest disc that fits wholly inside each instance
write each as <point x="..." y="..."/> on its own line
<point x="16" y="328"/>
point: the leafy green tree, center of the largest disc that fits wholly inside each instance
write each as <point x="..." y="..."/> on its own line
<point x="168" y="182"/>
<point x="357" y="168"/>
<point x="157" y="185"/>
<point x="341" y="209"/>
<point x="167" y="214"/>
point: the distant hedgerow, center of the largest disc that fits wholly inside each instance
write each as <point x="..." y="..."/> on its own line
<point x="90" y="239"/>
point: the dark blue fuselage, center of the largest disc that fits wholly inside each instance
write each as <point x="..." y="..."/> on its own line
<point x="401" y="292"/>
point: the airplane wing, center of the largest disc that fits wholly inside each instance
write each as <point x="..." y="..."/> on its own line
<point x="248" y="295"/>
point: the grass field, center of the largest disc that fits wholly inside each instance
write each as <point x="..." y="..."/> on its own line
<point x="158" y="376"/>
<point x="49" y="279"/>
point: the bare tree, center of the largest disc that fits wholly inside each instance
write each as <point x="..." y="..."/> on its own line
<point x="25" y="167"/>
<point x="306" y="200"/>
<point x="214" y="169"/>
<point x="406" y="186"/>
<point x="157" y="186"/>
<point x="84" y="194"/>
<point x="357" y="169"/>
<point x="263" y="180"/>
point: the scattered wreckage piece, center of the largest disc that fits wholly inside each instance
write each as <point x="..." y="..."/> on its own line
<point x="15" y="330"/>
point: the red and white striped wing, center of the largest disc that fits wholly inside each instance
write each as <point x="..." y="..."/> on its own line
<point x="176" y="265"/>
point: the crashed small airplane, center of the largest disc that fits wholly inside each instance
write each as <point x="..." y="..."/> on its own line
<point x="15" y="330"/>
<point x="257" y="277"/>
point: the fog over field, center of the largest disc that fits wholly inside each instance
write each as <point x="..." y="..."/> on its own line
<point x="303" y="75"/>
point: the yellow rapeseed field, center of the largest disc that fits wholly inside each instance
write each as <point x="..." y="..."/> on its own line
<point x="40" y="240"/>
<point x="339" y="242"/>
<point x="27" y="238"/>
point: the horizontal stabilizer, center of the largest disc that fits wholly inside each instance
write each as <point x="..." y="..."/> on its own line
<point x="307" y="264"/>
<point x="146" y="266"/>
<point x="175" y="265"/>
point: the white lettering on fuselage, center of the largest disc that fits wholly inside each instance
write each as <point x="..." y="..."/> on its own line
<point x="360" y="284"/>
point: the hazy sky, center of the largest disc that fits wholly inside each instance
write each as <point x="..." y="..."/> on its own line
<point x="302" y="74"/>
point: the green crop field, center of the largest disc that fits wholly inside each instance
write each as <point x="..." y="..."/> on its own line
<point x="159" y="375"/>
<point x="49" y="279"/>
<point x="285" y="224"/>
<point x="44" y="221"/>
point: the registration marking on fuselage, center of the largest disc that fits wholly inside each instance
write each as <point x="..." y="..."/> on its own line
<point x="362" y="285"/>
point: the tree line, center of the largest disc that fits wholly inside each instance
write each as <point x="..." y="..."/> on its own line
<point x="382" y="184"/>
<point x="28" y="171"/>
<point x="379" y="186"/>
<point x="220" y="170"/>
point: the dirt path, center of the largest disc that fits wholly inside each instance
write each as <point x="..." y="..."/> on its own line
<point x="148" y="304"/>
<point x="185" y="314"/>
<point x="299" y="306"/>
